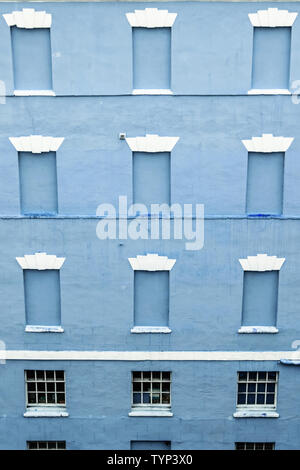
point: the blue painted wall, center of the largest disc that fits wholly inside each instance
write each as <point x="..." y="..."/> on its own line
<point x="265" y="181"/>
<point x="42" y="297"/>
<point x="150" y="445"/>
<point x="203" y="421"/>
<point x="271" y="57"/>
<point x="151" y="178"/>
<point x="92" y="73"/>
<point x="151" y="58"/>
<point x="38" y="183"/>
<point x="260" y="298"/>
<point x="151" y="298"/>
<point x="31" y="52"/>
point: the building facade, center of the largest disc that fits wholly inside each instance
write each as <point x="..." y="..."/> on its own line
<point x="113" y="336"/>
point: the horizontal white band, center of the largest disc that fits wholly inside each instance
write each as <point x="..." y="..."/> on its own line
<point x="269" y="91"/>
<point x="152" y="91"/>
<point x="34" y="93"/>
<point x="149" y="355"/>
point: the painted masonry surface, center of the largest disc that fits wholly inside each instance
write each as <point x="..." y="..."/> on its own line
<point x="105" y="344"/>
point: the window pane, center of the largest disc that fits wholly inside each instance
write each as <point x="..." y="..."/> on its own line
<point x="50" y="374"/>
<point x="166" y="375"/>
<point x="241" y="399"/>
<point x="166" y="398"/>
<point x="40" y="375"/>
<point x="31" y="397"/>
<point x="30" y="375"/>
<point x="260" y="399"/>
<point x="252" y="376"/>
<point x="136" y="398"/>
<point x="60" y="375"/>
<point x="242" y="375"/>
<point x="251" y="399"/>
<point x="146" y="397"/>
<point x="270" y="399"/>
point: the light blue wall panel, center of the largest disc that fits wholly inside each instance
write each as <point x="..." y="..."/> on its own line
<point x="151" y="178"/>
<point x="271" y="57"/>
<point x="42" y="297"/>
<point x="150" y="445"/>
<point x="265" y="183"/>
<point x="198" y="422"/>
<point x="31" y="50"/>
<point x="260" y="298"/>
<point x="151" y="298"/>
<point x="38" y="183"/>
<point x="151" y="58"/>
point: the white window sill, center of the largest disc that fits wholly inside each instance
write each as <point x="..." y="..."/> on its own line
<point x="34" y="93"/>
<point x="258" y="329"/>
<point x="245" y="413"/>
<point x="267" y="91"/>
<point x="45" y="412"/>
<point x="43" y="329"/>
<point x="153" y="413"/>
<point x="152" y="92"/>
<point x="150" y="329"/>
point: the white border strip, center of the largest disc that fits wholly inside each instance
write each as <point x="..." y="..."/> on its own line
<point x="269" y="91"/>
<point x="34" y="93"/>
<point x="152" y="91"/>
<point x="149" y="355"/>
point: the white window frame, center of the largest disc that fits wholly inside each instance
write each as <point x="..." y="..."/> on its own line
<point x="255" y="444"/>
<point x="157" y="409"/>
<point x="47" y="445"/>
<point x="257" y="410"/>
<point x="45" y="409"/>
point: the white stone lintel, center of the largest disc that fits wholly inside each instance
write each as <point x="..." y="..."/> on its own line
<point x="40" y="261"/>
<point x="28" y="18"/>
<point x="268" y="143"/>
<point x="151" y="143"/>
<point x="151" y="18"/>
<point x="272" y="18"/>
<point x="262" y="262"/>
<point x="36" y="143"/>
<point x="151" y="262"/>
